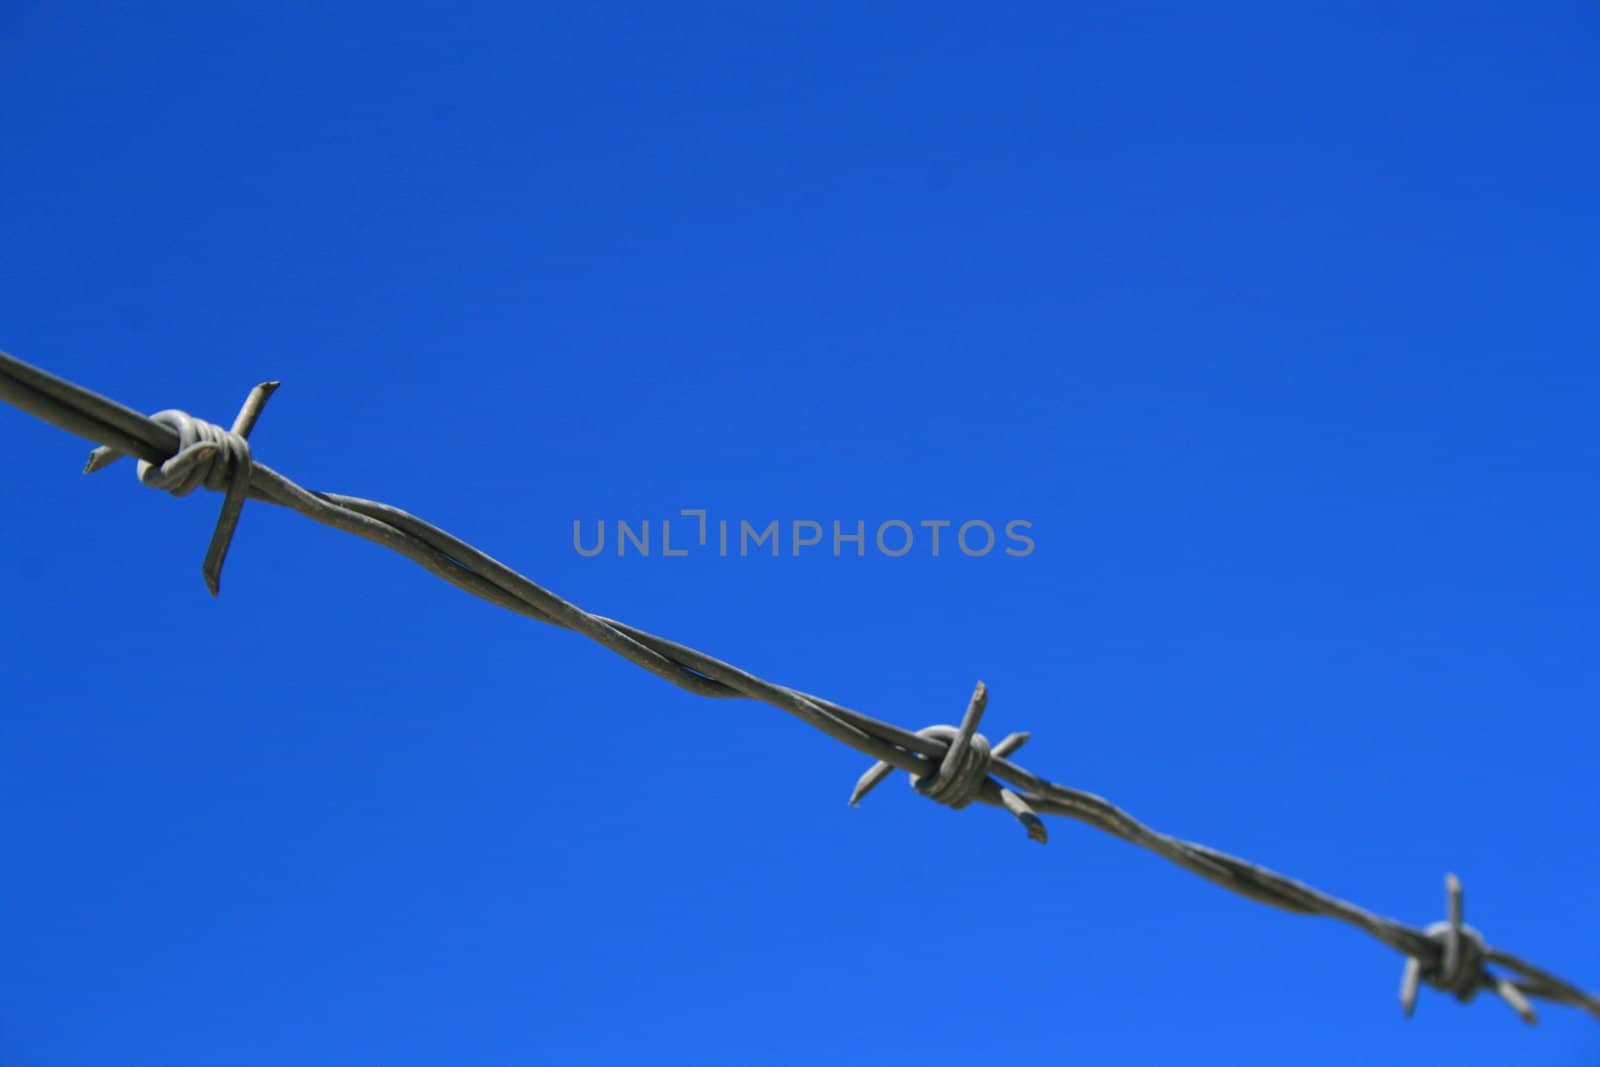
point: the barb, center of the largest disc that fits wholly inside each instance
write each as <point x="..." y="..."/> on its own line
<point x="954" y="765"/>
<point x="963" y="773"/>
<point x="207" y="455"/>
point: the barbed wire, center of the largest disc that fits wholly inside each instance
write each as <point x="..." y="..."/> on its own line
<point x="953" y="765"/>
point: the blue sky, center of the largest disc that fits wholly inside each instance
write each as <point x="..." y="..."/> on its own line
<point x="1275" y="321"/>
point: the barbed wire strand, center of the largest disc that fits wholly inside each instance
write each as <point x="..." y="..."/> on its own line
<point x="954" y="765"/>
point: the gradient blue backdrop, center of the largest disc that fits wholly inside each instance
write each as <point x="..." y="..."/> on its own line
<point x="1276" y="320"/>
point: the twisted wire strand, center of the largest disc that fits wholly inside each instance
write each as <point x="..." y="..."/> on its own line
<point x="954" y="765"/>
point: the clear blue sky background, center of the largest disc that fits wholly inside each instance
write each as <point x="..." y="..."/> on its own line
<point x="1277" y="321"/>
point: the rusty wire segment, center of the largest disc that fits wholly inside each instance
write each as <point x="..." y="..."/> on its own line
<point x="954" y="765"/>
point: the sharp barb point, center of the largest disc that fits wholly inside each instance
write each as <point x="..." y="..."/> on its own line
<point x="100" y="459"/>
<point x="1011" y="743"/>
<point x="1513" y="996"/>
<point x="1410" y="978"/>
<point x="869" y="781"/>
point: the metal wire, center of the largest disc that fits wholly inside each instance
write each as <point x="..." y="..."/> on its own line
<point x="954" y="765"/>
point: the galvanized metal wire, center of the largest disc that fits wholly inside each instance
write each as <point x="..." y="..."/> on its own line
<point x="954" y="765"/>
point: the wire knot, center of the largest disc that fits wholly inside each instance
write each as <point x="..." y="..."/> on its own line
<point x="962" y="774"/>
<point x="962" y="771"/>
<point x="1460" y="966"/>
<point x="208" y="456"/>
